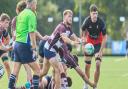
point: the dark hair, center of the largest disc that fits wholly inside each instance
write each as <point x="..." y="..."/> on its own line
<point x="93" y="7"/>
<point x="69" y="80"/>
<point x="4" y="17"/>
<point x="21" y="6"/>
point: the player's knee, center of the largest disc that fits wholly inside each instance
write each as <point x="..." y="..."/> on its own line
<point x="44" y="72"/>
<point x="88" y="62"/>
<point x="4" y="58"/>
<point x="57" y="70"/>
<point x="7" y="66"/>
<point x="98" y="59"/>
<point x="37" y="72"/>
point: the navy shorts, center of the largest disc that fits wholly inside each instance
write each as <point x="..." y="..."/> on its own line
<point x="41" y="48"/>
<point x="49" y="54"/>
<point x="23" y="53"/>
<point x="96" y="49"/>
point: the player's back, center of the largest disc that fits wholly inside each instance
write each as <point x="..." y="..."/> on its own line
<point x="25" y="22"/>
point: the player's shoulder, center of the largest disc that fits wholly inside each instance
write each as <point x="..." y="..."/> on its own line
<point x="13" y="20"/>
<point x="100" y="20"/>
<point x="60" y="26"/>
<point x="87" y="19"/>
<point x="27" y="12"/>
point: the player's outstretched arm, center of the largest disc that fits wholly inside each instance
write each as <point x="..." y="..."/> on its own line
<point x="84" y="76"/>
<point x="67" y="40"/>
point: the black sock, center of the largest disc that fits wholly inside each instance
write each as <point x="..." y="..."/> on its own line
<point x="12" y="81"/>
<point x="35" y="81"/>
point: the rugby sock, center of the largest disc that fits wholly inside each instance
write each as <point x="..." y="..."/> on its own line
<point x="12" y="81"/>
<point x="35" y="81"/>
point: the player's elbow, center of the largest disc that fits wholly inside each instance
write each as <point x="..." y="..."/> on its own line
<point x="105" y="37"/>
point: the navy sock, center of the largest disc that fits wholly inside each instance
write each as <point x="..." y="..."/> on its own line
<point x="12" y="81"/>
<point x="35" y="81"/>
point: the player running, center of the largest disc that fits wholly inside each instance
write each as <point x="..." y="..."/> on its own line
<point x="59" y="37"/>
<point x="19" y="8"/>
<point x="25" y="45"/>
<point x="94" y="31"/>
<point x="4" y="41"/>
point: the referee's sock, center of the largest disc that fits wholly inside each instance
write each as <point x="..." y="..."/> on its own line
<point x="35" y="81"/>
<point x="12" y="81"/>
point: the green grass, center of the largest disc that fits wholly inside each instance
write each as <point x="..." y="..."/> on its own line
<point x="114" y="74"/>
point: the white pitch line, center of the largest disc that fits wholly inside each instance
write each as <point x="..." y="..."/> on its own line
<point x="125" y="75"/>
<point x="118" y="60"/>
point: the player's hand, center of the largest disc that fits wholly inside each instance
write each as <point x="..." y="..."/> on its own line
<point x="35" y="54"/>
<point x="45" y="37"/>
<point x="75" y="43"/>
<point x="9" y="48"/>
<point x="98" y="55"/>
<point x="6" y="48"/>
<point x="83" y="40"/>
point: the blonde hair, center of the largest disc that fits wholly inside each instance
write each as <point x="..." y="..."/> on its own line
<point x="4" y="17"/>
<point x="66" y="12"/>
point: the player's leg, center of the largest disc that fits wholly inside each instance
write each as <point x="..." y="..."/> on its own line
<point x="36" y="70"/>
<point x="46" y="66"/>
<point x="5" y="60"/>
<point x="16" y="67"/>
<point x="84" y="76"/>
<point x="14" y="74"/>
<point x="41" y="52"/>
<point x="97" y="70"/>
<point x="50" y="59"/>
<point x="26" y="57"/>
<point x="87" y="65"/>
<point x="55" y="64"/>
<point x="41" y="62"/>
<point x="71" y="62"/>
<point x="87" y="68"/>
<point x="29" y="73"/>
<point x="98" y="63"/>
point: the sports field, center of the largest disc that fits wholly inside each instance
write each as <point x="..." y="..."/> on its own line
<point x="114" y="74"/>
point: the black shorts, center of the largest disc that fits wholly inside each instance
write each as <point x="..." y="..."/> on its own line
<point x="23" y="53"/>
<point x="96" y="49"/>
